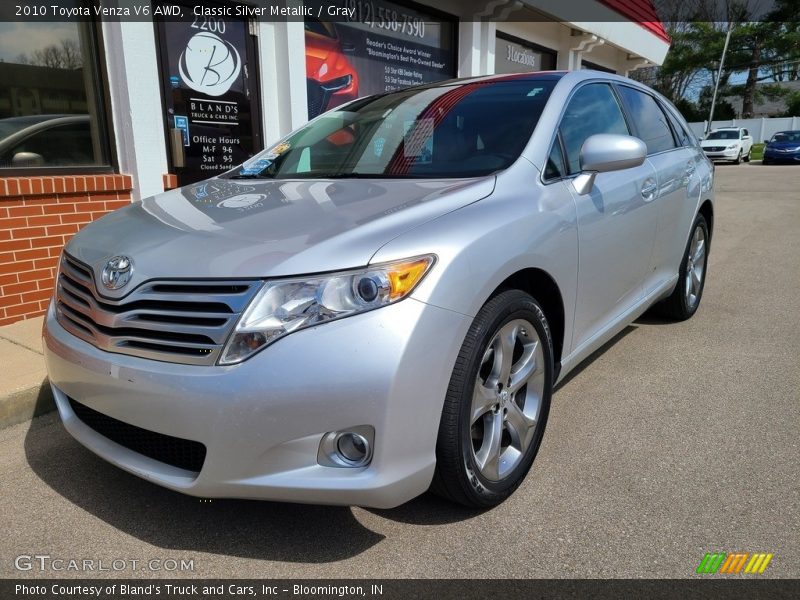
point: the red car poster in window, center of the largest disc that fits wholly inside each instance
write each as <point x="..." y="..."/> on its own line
<point x="380" y="47"/>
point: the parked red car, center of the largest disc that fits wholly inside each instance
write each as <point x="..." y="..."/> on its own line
<point x="331" y="78"/>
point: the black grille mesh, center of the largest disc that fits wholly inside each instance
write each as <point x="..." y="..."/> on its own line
<point x="177" y="452"/>
<point x="317" y="98"/>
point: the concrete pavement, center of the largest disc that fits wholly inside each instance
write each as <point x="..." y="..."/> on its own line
<point x="24" y="391"/>
<point x="673" y="441"/>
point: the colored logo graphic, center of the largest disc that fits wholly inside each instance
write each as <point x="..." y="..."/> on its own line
<point x="209" y="64"/>
<point x="733" y="563"/>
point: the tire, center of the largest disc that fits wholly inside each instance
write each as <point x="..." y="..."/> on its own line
<point x="766" y="161"/>
<point x="747" y="158"/>
<point x="481" y="460"/>
<point x="685" y="299"/>
<point x="738" y="160"/>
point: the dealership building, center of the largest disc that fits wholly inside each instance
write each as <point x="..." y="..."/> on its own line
<point x="95" y="114"/>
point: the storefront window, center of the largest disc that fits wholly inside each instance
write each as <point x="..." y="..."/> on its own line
<point x="515" y="55"/>
<point x="51" y="109"/>
<point x="383" y="46"/>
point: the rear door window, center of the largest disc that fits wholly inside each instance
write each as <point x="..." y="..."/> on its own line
<point x="648" y="119"/>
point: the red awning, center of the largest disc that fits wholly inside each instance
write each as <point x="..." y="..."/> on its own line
<point x="642" y="12"/>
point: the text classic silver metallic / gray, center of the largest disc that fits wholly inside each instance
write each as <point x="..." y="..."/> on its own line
<point x="382" y="302"/>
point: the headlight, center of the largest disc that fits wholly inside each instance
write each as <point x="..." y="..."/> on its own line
<point x="286" y="305"/>
<point x="732" y="146"/>
<point x="337" y="84"/>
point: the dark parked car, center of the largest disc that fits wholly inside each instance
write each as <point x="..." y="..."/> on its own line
<point x="784" y="147"/>
<point x="46" y="141"/>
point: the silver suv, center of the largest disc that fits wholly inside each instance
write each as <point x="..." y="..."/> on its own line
<point x="382" y="302"/>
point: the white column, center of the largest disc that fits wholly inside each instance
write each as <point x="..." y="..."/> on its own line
<point x="281" y="57"/>
<point x="469" y="48"/>
<point x="476" y="48"/>
<point x="136" y="108"/>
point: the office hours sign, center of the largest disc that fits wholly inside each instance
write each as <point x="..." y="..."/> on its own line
<point x="210" y="95"/>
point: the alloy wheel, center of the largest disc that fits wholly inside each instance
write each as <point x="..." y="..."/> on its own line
<point x="695" y="267"/>
<point x="507" y="399"/>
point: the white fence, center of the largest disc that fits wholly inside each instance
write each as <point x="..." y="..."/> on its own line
<point x="761" y="129"/>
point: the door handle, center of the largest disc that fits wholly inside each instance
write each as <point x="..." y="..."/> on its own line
<point x="649" y="188"/>
<point x="176" y="146"/>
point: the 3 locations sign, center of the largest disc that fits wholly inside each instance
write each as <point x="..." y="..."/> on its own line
<point x="211" y="100"/>
<point x="380" y="47"/>
<point x="513" y="55"/>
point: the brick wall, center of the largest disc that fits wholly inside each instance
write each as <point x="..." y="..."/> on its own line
<point x="38" y="215"/>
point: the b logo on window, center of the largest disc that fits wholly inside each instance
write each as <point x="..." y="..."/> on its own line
<point x="209" y="64"/>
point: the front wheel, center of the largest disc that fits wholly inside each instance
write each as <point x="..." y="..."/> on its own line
<point x="497" y="403"/>
<point x="738" y="158"/>
<point x="685" y="299"/>
<point x="747" y="157"/>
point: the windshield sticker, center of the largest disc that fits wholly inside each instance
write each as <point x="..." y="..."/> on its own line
<point x="377" y="146"/>
<point x="276" y="151"/>
<point x="418" y="142"/>
<point x="255" y="167"/>
<point x="262" y="161"/>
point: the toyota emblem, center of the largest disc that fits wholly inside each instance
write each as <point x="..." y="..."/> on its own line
<point x="117" y="272"/>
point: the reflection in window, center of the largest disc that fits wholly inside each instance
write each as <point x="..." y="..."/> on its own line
<point x="592" y="110"/>
<point x="50" y="113"/>
<point x="649" y="119"/>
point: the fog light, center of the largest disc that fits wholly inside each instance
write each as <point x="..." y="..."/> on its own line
<point x="351" y="447"/>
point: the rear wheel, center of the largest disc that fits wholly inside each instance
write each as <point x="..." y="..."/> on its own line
<point x="497" y="403"/>
<point x="685" y="299"/>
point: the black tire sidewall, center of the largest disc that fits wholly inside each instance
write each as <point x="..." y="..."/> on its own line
<point x="505" y="307"/>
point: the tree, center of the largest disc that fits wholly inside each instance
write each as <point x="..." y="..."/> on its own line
<point x="793" y="105"/>
<point x="65" y="55"/>
<point x="766" y="49"/>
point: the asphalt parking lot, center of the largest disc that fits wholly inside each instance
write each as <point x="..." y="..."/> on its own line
<point x="673" y="441"/>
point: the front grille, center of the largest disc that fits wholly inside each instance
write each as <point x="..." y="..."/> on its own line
<point x="715" y="148"/>
<point x="177" y="452"/>
<point x="318" y="98"/>
<point x="173" y="321"/>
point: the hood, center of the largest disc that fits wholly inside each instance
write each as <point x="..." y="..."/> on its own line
<point x="783" y="145"/>
<point x="706" y="143"/>
<point x="224" y="228"/>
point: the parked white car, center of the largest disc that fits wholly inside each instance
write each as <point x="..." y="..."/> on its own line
<point x="728" y="143"/>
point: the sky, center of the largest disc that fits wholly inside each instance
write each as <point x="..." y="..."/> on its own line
<point x="23" y="38"/>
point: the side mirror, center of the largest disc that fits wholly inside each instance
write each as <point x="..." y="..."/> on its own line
<point x="27" y="159"/>
<point x="605" y="152"/>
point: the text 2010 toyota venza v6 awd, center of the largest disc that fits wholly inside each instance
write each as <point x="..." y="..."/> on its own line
<point x="381" y="303"/>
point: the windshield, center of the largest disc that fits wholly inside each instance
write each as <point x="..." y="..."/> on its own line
<point x="465" y="130"/>
<point x="786" y="136"/>
<point x="723" y="135"/>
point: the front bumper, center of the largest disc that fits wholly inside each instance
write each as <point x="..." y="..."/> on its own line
<point x="722" y="155"/>
<point x="782" y="157"/>
<point x="262" y="420"/>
